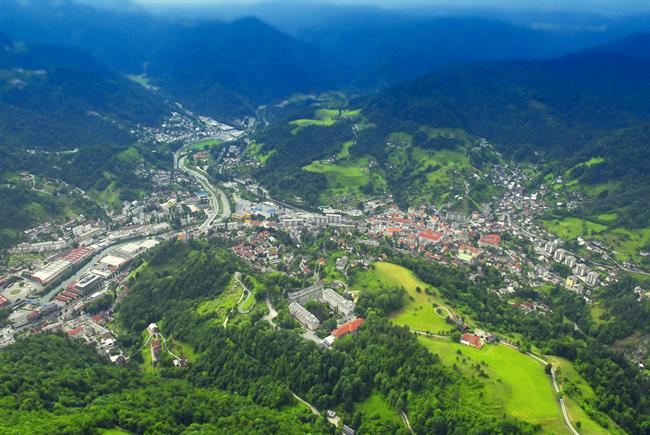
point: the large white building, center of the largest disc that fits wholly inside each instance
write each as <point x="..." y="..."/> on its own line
<point x="592" y="278"/>
<point x="307" y="319"/>
<point x="338" y="302"/>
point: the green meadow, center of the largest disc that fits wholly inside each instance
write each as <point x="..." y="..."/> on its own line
<point x="571" y="227"/>
<point x="324" y="118"/>
<point x="515" y="384"/>
<point x="418" y="312"/>
<point x="375" y="405"/>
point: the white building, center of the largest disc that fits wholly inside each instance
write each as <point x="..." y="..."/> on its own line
<point x="581" y="269"/>
<point x="307" y="319"/>
<point x="559" y="254"/>
<point x="550" y="247"/>
<point x="338" y="302"/>
<point x="592" y="278"/>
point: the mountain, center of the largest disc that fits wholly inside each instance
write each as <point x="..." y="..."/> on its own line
<point x="635" y="45"/>
<point x="379" y="49"/>
<point x="420" y="139"/>
<point x="224" y="69"/>
<point x="59" y="99"/>
<point x="245" y="62"/>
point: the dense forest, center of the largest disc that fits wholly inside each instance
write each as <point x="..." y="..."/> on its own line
<point x="253" y="360"/>
<point x="51" y="384"/>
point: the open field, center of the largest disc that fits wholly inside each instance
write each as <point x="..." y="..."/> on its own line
<point x="345" y="150"/>
<point x="222" y="304"/>
<point x="576" y="389"/>
<point x="375" y="404"/>
<point x="323" y="118"/>
<point x="418" y="312"/>
<point x="571" y="227"/>
<point x="515" y="382"/>
<point x="204" y="144"/>
<point x="349" y="175"/>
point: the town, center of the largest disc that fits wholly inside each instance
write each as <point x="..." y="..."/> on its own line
<point x="69" y="276"/>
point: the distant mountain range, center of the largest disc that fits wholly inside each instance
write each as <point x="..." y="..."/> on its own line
<point x="228" y="69"/>
<point x="57" y="97"/>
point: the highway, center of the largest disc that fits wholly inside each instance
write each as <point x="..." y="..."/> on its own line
<point x="219" y="204"/>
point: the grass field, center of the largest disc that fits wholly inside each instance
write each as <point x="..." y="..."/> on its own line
<point x="113" y="431"/>
<point x="345" y="150"/>
<point x="576" y="389"/>
<point x="324" y="118"/>
<point x="349" y="175"/>
<point x="418" y="312"/>
<point x="570" y="228"/>
<point x="515" y="384"/>
<point x="208" y="143"/>
<point x="222" y="304"/>
<point x="375" y="404"/>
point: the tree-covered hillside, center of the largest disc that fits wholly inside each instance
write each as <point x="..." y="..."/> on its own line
<point x="51" y="384"/>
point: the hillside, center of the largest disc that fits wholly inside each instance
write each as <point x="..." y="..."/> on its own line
<point x="64" y="116"/>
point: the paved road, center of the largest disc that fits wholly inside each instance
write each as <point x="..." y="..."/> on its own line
<point x="219" y="204"/>
<point x="245" y="292"/>
<point x="405" y="418"/>
<point x="218" y="200"/>
<point x="272" y="313"/>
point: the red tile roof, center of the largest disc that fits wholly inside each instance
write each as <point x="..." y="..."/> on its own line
<point x="348" y="328"/>
<point x="472" y="339"/>
<point x="430" y="235"/>
<point x="75" y="331"/>
<point x="490" y="239"/>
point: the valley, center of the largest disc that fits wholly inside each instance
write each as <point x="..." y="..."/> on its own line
<point x="230" y="226"/>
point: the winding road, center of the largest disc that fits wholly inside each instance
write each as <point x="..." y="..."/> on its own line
<point x="219" y="204"/>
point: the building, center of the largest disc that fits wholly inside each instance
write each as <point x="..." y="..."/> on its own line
<point x="592" y="278"/>
<point x="307" y="294"/>
<point x="156" y="346"/>
<point x="88" y="283"/>
<point x="570" y="261"/>
<point x="51" y="272"/>
<point x="333" y="218"/>
<point x="550" y="247"/>
<point x="581" y="269"/>
<point x="471" y="340"/>
<point x="489" y="241"/>
<point x="429" y="237"/>
<point x="348" y="328"/>
<point x="559" y="254"/>
<point x="307" y="319"/>
<point x="337" y="302"/>
<point x="152" y="329"/>
<point x="455" y="217"/>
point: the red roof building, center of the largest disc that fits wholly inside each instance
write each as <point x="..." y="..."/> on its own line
<point x="426" y="237"/>
<point x="3" y="301"/>
<point x="471" y="340"/>
<point x="489" y="240"/>
<point x="348" y="328"/>
<point x="75" y="331"/>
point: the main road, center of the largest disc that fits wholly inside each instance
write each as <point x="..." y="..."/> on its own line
<point x="219" y="204"/>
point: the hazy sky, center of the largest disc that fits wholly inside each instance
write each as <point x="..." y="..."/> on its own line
<point x="606" y="7"/>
